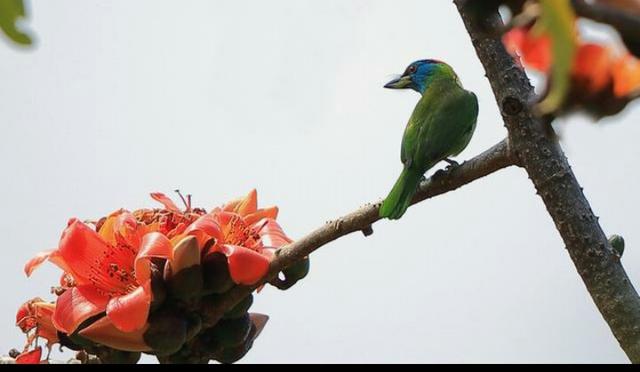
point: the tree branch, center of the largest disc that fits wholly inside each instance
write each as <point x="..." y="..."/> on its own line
<point x="622" y="21"/>
<point x="490" y="161"/>
<point x="541" y="156"/>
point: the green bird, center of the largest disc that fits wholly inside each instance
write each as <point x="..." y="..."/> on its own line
<point x="440" y="127"/>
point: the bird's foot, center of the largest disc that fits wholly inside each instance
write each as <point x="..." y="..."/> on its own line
<point x="452" y="164"/>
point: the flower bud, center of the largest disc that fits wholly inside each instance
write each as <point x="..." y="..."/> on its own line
<point x="240" y="309"/>
<point x="186" y="284"/>
<point x="217" y="279"/>
<point x="294" y="273"/>
<point x="617" y="243"/>
<point x="231" y="332"/>
<point x="194" y="326"/>
<point x="113" y="356"/>
<point x="208" y="342"/>
<point x="158" y="286"/>
<point x="166" y="334"/>
<point x="184" y="278"/>
<point x="233" y="354"/>
<point x="67" y="342"/>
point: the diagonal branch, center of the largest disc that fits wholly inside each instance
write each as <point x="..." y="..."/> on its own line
<point x="619" y="19"/>
<point x="490" y="161"/>
<point x="548" y="168"/>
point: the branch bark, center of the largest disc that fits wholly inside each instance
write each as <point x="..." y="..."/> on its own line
<point x="548" y="168"/>
<point x="490" y="161"/>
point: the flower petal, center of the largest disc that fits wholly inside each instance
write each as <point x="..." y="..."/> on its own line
<point x="37" y="313"/>
<point x="44" y="317"/>
<point x="271" y="234"/>
<point x="30" y="357"/>
<point x="249" y="204"/>
<point x="154" y="245"/>
<point x="246" y="266"/>
<point x="271" y="212"/>
<point x="591" y="67"/>
<point x="230" y="206"/>
<point x="234" y="229"/>
<point x="626" y="76"/>
<point x="76" y="305"/>
<point x="77" y="252"/>
<point x="243" y="206"/>
<point x="66" y="280"/>
<point x="127" y="231"/>
<point x="259" y="321"/>
<point x="205" y="228"/>
<point x="105" y="333"/>
<point x="514" y="39"/>
<point x="130" y="312"/>
<point x="164" y="200"/>
<point x="227" y="221"/>
<point x="107" y="228"/>
<point x="25" y="317"/>
<point x="535" y="51"/>
<point x="36" y="261"/>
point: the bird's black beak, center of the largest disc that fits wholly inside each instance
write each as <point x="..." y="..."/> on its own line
<point x="403" y="82"/>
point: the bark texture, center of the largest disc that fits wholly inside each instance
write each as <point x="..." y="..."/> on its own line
<point x="540" y="154"/>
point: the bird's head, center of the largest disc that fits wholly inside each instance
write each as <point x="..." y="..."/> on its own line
<point x="418" y="75"/>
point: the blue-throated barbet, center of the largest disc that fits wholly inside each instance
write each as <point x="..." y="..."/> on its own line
<point x="440" y="127"/>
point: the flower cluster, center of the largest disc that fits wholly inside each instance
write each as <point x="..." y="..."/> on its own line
<point x="136" y="281"/>
<point x="603" y="79"/>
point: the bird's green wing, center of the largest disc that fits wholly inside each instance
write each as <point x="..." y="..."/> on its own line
<point x="443" y="128"/>
<point x="411" y="138"/>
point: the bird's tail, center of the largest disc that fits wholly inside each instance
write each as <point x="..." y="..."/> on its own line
<point x="399" y="199"/>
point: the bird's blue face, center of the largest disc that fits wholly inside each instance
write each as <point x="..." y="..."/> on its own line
<point x="416" y="76"/>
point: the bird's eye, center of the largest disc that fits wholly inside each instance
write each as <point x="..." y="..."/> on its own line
<point x="411" y="69"/>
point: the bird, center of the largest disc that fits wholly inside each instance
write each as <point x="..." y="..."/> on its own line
<point x="440" y="127"/>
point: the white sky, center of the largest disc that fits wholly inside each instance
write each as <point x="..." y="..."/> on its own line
<point x="122" y="98"/>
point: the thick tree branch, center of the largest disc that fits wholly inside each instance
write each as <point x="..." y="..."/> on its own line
<point x="490" y="161"/>
<point x="622" y="21"/>
<point x="548" y="168"/>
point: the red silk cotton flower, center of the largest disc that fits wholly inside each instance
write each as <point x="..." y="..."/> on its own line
<point x="34" y="319"/>
<point x="36" y="315"/>
<point x="107" y="264"/>
<point x="595" y="66"/>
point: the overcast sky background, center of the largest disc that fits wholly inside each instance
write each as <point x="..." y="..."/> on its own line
<point x="121" y="98"/>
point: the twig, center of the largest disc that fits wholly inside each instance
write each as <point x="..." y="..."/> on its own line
<point x="622" y="21"/>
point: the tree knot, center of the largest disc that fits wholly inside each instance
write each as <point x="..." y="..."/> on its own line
<point x="511" y="106"/>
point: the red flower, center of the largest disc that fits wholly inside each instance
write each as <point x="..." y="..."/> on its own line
<point x="107" y="268"/>
<point x="626" y="76"/>
<point x="535" y="51"/>
<point x="34" y="318"/>
<point x="595" y="66"/>
<point x="37" y="314"/>
<point x="591" y="69"/>
<point x="249" y="237"/>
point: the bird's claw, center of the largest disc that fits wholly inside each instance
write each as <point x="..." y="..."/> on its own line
<point x="452" y="164"/>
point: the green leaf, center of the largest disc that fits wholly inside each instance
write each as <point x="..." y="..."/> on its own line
<point x="558" y="20"/>
<point x="10" y="12"/>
